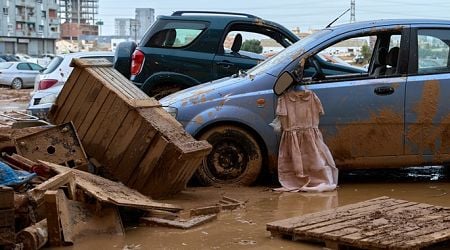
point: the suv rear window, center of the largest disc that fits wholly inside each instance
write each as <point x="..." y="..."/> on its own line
<point x="175" y="34"/>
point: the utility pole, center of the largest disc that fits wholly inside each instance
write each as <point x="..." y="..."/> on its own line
<point x="352" y="11"/>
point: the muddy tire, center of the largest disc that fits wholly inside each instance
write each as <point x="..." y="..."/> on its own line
<point x="17" y="83"/>
<point x="163" y="90"/>
<point x="235" y="158"/>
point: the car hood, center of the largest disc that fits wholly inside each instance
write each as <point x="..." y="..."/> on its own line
<point x="210" y="89"/>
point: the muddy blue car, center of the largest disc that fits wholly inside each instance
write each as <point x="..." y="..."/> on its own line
<point x="393" y="112"/>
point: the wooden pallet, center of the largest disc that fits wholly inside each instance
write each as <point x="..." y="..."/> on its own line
<point x="380" y="223"/>
<point x="126" y="131"/>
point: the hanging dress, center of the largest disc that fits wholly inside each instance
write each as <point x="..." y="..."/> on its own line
<point x="304" y="161"/>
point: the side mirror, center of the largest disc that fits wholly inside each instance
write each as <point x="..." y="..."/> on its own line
<point x="283" y="82"/>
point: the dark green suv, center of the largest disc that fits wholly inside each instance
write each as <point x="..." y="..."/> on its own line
<point x="192" y="47"/>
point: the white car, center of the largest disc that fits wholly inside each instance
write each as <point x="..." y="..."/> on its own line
<point x="49" y="83"/>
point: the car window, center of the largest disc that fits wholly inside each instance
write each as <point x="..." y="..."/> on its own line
<point x="433" y="51"/>
<point x="53" y="65"/>
<point x="253" y="45"/>
<point x="374" y="56"/>
<point x="23" y="66"/>
<point x="176" y="34"/>
<point x="35" y="66"/>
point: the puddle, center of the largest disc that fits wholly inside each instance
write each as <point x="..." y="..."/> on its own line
<point x="245" y="228"/>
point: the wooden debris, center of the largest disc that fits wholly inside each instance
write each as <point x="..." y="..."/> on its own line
<point x="35" y="236"/>
<point x="37" y="193"/>
<point x="380" y="223"/>
<point x="162" y="214"/>
<point x="204" y="210"/>
<point x="53" y="218"/>
<point x="7" y="224"/>
<point x="228" y="203"/>
<point x="108" y="191"/>
<point x="126" y="131"/>
<point x="180" y="223"/>
<point x="59" y="145"/>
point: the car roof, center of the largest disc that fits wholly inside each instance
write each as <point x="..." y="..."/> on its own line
<point x="387" y="22"/>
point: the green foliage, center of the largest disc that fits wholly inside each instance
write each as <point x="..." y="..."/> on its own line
<point x="252" y="45"/>
<point x="365" y="52"/>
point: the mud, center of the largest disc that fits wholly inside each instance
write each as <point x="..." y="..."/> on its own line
<point x="351" y="140"/>
<point x="11" y="99"/>
<point x="245" y="228"/>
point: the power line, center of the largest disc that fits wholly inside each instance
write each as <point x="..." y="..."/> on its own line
<point x="352" y="11"/>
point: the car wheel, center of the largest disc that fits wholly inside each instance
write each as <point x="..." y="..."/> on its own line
<point x="235" y="158"/>
<point x="16" y="83"/>
<point x="163" y="90"/>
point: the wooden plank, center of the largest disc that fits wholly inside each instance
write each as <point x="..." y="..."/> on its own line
<point x="136" y="141"/>
<point x="37" y="193"/>
<point x="117" y="90"/>
<point x="340" y="214"/>
<point x="125" y="87"/>
<point x="181" y="224"/>
<point x="119" y="78"/>
<point x="109" y="191"/>
<point x="90" y="62"/>
<point x="81" y="90"/>
<point x="64" y="94"/>
<point x="121" y="143"/>
<point x="89" y="100"/>
<point x="71" y="100"/>
<point x="204" y="210"/>
<point x="35" y="236"/>
<point x="92" y="114"/>
<point x="148" y="163"/>
<point x="95" y="124"/>
<point x="109" y="127"/>
<point x="53" y="222"/>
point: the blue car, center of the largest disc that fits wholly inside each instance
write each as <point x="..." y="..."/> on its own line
<point x="392" y="112"/>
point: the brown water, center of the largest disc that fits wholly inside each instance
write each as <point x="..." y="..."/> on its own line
<point x="245" y="228"/>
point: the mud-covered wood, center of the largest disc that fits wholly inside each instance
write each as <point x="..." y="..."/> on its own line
<point x="380" y="223"/>
<point x="126" y="131"/>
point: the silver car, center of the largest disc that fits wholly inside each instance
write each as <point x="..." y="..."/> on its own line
<point x="18" y="74"/>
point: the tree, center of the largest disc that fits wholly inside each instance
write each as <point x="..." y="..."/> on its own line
<point x="252" y="45"/>
<point x="365" y="52"/>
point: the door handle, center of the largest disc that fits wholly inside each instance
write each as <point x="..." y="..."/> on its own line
<point x="225" y="64"/>
<point x="384" y="90"/>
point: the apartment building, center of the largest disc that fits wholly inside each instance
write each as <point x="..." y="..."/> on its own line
<point x="28" y="26"/>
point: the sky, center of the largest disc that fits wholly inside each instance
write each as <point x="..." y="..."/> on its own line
<point x="305" y="14"/>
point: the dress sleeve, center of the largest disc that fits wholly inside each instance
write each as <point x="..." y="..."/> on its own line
<point x="281" y="106"/>
<point x="318" y="104"/>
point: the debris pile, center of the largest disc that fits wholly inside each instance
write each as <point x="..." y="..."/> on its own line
<point x="125" y="131"/>
<point x="51" y="187"/>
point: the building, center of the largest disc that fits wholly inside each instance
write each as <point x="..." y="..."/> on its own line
<point x="28" y="26"/>
<point x="78" y="17"/>
<point x="125" y="27"/>
<point x="145" y="17"/>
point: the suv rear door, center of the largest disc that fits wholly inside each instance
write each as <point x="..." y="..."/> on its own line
<point x="173" y="47"/>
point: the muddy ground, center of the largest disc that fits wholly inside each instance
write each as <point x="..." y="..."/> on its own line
<point x="244" y="228"/>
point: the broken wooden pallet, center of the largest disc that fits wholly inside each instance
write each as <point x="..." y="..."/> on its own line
<point x="126" y="131"/>
<point x="380" y="223"/>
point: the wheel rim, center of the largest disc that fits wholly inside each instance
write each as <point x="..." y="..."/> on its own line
<point x="227" y="161"/>
<point x="17" y="84"/>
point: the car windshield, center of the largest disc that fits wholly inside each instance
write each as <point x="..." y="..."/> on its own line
<point x="54" y="63"/>
<point x="5" y="65"/>
<point x="287" y="55"/>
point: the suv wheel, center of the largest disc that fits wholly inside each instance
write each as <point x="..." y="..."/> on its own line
<point x="163" y="90"/>
<point x="235" y="158"/>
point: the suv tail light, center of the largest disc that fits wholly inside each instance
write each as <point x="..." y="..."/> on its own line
<point x="46" y="83"/>
<point x="137" y="61"/>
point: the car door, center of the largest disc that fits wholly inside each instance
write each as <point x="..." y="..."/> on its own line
<point x="26" y="74"/>
<point x="364" y="111"/>
<point x="427" y="95"/>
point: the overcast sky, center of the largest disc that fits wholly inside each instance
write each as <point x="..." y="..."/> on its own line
<point x="310" y="14"/>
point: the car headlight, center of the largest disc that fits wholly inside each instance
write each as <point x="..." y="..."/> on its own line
<point x="172" y="111"/>
<point x="48" y="99"/>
